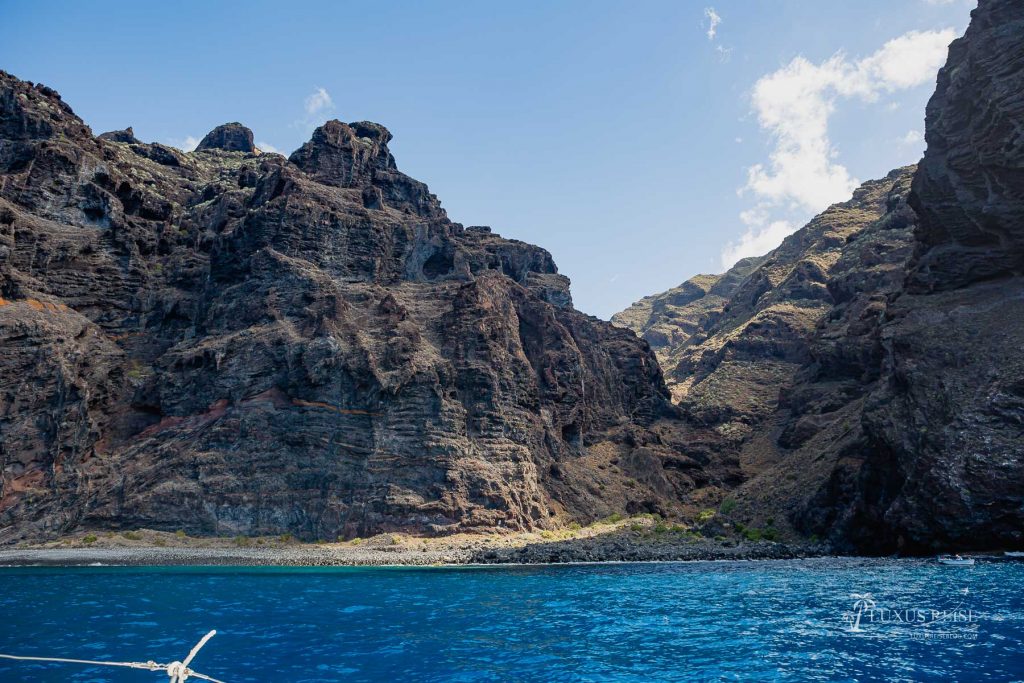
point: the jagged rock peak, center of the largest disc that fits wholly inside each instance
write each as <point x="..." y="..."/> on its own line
<point x="33" y="111"/>
<point x="356" y="155"/>
<point x="342" y="153"/>
<point x="230" y="137"/>
<point x="127" y="135"/>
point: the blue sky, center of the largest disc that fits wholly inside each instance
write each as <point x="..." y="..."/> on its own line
<point x="636" y="144"/>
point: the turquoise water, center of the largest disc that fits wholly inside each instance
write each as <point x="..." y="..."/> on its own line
<point x="624" y="622"/>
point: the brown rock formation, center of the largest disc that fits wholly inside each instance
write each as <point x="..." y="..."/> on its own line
<point x="680" y="317"/>
<point x="742" y="342"/>
<point x="230" y="342"/>
<point x="947" y="424"/>
<point x="868" y="371"/>
<point x="229" y="137"/>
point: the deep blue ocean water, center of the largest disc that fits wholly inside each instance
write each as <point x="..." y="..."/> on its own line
<point x="788" y="620"/>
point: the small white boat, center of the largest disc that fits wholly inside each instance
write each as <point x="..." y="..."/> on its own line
<point x="1013" y="553"/>
<point x="957" y="561"/>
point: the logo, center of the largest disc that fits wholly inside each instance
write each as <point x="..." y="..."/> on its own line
<point x="951" y="622"/>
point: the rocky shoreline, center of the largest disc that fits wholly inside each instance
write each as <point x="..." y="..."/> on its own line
<point x="617" y="545"/>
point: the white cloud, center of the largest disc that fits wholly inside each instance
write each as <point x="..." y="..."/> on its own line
<point x="267" y="147"/>
<point x="713" y="20"/>
<point x="317" y="105"/>
<point x="319" y="101"/>
<point x="762" y="235"/>
<point x="913" y="138"/>
<point x="794" y="105"/>
<point x="186" y="144"/>
<point x="904" y="62"/>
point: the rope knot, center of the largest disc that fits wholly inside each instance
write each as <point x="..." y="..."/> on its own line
<point x="178" y="672"/>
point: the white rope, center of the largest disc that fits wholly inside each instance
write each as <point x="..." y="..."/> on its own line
<point x="152" y="666"/>
<point x="177" y="671"/>
<point x="194" y="651"/>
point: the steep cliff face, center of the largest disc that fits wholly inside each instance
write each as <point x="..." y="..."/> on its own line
<point x="868" y="372"/>
<point x="228" y="341"/>
<point x="969" y="192"/>
<point x="933" y="454"/>
<point x="948" y="423"/>
<point x="783" y="368"/>
<point x="681" y="316"/>
<point x="807" y="460"/>
<point x="733" y="345"/>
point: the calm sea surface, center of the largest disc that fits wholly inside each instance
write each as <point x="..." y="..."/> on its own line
<point x="791" y="620"/>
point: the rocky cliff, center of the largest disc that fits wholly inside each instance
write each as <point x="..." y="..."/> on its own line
<point x="735" y="346"/>
<point x="232" y="342"/>
<point x="946" y="426"/>
<point x="867" y="372"/>
<point x="680" y="317"/>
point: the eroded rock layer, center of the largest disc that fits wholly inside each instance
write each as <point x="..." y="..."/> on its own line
<point x="681" y="317"/>
<point x="947" y="424"/>
<point x="227" y="342"/>
<point x="755" y="326"/>
<point x="868" y="372"/>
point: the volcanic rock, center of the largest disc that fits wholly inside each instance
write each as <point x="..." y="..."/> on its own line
<point x="232" y="343"/>
<point x="946" y="425"/>
<point x="229" y="137"/>
<point x="677" y="318"/>
<point x="868" y="371"/>
<point x="127" y="136"/>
